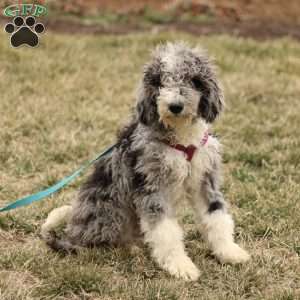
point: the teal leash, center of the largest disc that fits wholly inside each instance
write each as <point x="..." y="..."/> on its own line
<point x="56" y="187"/>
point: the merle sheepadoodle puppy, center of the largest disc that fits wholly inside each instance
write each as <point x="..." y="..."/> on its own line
<point x="163" y="156"/>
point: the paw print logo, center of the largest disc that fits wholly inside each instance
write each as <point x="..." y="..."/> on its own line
<point x="24" y="32"/>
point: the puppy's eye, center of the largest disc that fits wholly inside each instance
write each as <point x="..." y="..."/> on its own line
<point x="197" y="83"/>
<point x="155" y="80"/>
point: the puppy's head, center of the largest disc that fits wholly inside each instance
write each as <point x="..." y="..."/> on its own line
<point x="179" y="85"/>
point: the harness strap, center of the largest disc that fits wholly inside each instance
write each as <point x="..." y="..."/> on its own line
<point x="190" y="150"/>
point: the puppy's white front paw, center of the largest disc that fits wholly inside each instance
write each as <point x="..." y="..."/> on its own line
<point x="231" y="253"/>
<point x="181" y="266"/>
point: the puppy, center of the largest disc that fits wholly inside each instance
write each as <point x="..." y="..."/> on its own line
<point x="163" y="156"/>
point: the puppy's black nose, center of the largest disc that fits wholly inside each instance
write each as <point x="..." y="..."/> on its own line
<point x="176" y="108"/>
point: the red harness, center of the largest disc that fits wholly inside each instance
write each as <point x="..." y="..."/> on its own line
<point x="190" y="150"/>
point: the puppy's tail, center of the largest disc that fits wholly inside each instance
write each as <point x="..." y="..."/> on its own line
<point x="60" y="245"/>
<point x="56" y="218"/>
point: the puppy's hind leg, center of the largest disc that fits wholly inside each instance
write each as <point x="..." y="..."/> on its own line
<point x="56" y="218"/>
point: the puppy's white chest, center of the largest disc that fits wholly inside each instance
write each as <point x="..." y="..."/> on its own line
<point x="187" y="171"/>
<point x="200" y="163"/>
<point x="179" y="166"/>
<point x="188" y="174"/>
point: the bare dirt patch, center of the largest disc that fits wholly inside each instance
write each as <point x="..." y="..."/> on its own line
<point x="270" y="10"/>
<point x="257" y="30"/>
<point x="248" y="18"/>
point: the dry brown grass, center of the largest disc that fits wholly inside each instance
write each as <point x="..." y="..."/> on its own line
<point x="62" y="103"/>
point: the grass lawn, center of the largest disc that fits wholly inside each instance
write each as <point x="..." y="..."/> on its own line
<point x="63" y="102"/>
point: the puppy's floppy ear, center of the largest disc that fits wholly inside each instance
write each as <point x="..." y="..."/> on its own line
<point x="211" y="102"/>
<point x="152" y="74"/>
<point x="148" y="92"/>
<point x="212" y="99"/>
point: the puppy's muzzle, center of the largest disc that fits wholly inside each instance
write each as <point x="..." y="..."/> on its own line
<point x="176" y="109"/>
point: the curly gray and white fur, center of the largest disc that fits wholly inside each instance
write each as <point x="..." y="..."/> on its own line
<point x="134" y="192"/>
